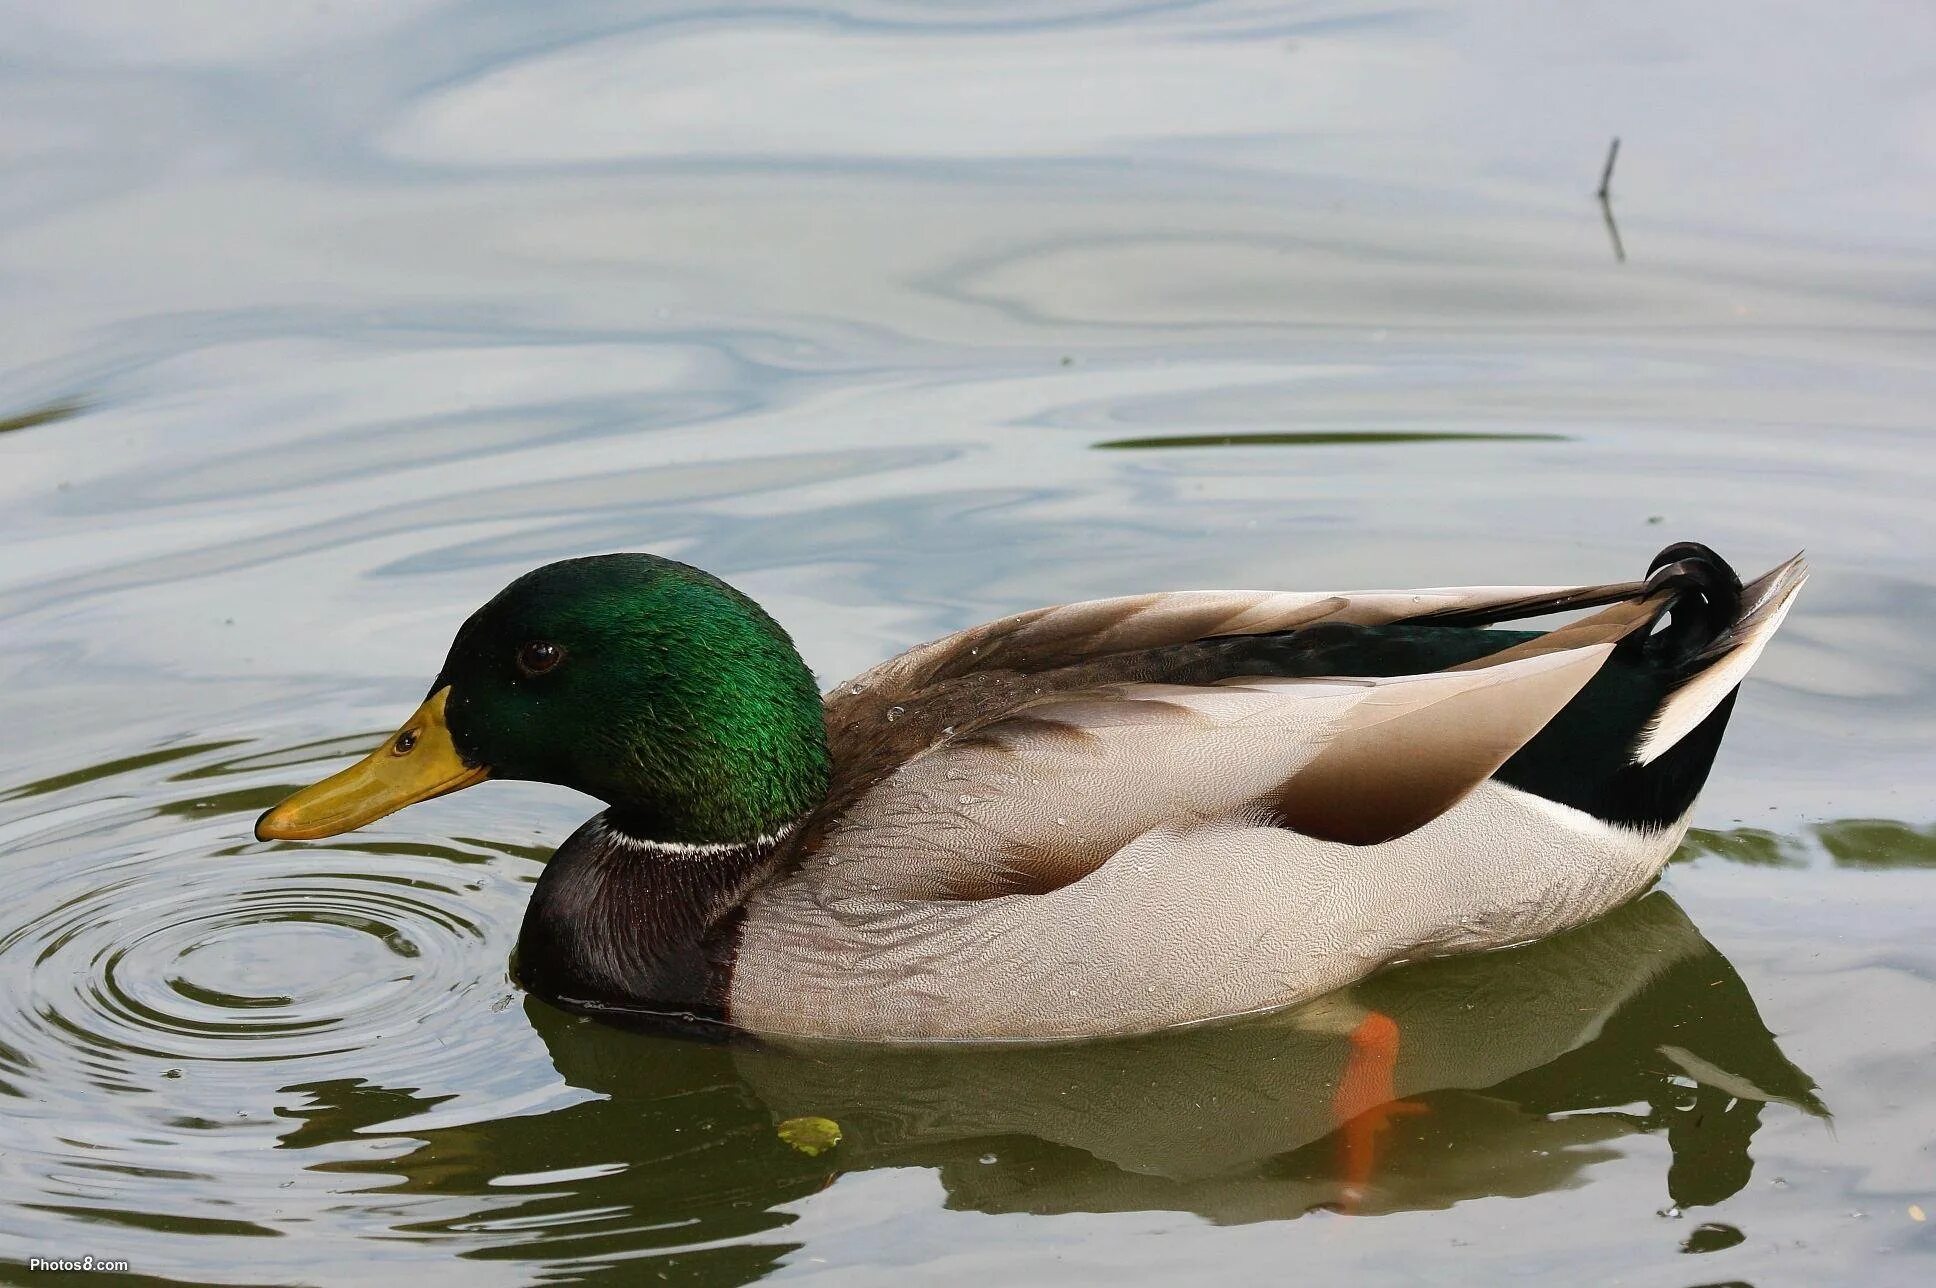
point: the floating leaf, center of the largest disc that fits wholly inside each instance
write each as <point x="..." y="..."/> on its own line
<point x="41" y="415"/>
<point x="1319" y="438"/>
<point x="810" y="1135"/>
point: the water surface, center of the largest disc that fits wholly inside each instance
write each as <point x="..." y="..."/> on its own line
<point x="323" y="324"/>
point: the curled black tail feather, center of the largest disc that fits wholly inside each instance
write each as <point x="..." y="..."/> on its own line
<point x="1635" y="745"/>
<point x="1706" y="604"/>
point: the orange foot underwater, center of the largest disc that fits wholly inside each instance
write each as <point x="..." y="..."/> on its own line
<point x="1365" y="1106"/>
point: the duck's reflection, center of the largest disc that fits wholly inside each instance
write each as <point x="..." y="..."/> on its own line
<point x="1502" y="1074"/>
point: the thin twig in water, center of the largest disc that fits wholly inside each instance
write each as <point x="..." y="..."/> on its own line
<point x="1606" y="202"/>
<point x="1613" y="230"/>
<point x="1606" y="175"/>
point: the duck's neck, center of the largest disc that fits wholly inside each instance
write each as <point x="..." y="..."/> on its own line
<point x="622" y="921"/>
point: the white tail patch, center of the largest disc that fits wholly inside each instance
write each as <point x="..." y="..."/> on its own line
<point x="1694" y="701"/>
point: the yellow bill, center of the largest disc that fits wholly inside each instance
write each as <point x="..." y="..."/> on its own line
<point x="418" y="762"/>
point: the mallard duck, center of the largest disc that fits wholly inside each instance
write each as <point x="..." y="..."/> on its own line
<point x="1109" y="817"/>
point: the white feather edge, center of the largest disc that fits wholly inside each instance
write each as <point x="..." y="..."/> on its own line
<point x="1690" y="704"/>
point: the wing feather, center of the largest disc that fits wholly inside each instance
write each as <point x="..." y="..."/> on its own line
<point x="1055" y="692"/>
<point x="1038" y="799"/>
<point x="974" y="676"/>
<point x="1045" y="639"/>
<point x="1416" y="746"/>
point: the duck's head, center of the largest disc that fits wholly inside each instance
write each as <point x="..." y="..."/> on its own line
<point x="649" y="684"/>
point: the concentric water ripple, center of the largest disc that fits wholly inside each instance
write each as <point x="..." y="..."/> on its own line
<point x="242" y="957"/>
<point x="155" y="951"/>
<point x="283" y="967"/>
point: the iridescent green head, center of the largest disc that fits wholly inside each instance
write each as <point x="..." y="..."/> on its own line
<point x="647" y="683"/>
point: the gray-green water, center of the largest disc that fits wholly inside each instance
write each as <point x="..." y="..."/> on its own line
<point x="320" y="323"/>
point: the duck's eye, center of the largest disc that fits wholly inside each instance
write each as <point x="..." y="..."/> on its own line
<point x="539" y="656"/>
<point x="405" y="743"/>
